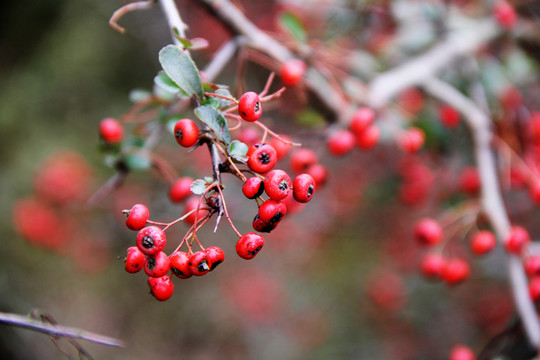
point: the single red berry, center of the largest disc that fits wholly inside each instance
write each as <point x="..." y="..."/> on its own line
<point x="134" y="260"/>
<point x="249" y="136"/>
<point x="456" y="271"/>
<point x="180" y="189"/>
<point x="292" y="71"/>
<point x="341" y="142"/>
<point x="272" y="211"/>
<point x="482" y="242"/>
<point x="517" y="240"/>
<point x="111" y="131"/>
<point x="249" y="106"/>
<point x="534" y="190"/>
<point x="428" y="232"/>
<point x="263" y="226"/>
<point x="186" y="132"/>
<point x="303" y="188"/>
<point x="277" y="184"/>
<point x="532" y="265"/>
<point x="199" y="263"/>
<point x="157" y="265"/>
<point x="262" y="157"/>
<point x="319" y="173"/>
<point x="449" y="116"/>
<point x="368" y="138"/>
<point x="249" y="245"/>
<point x="282" y="148"/>
<point x="469" y="180"/>
<point x="534" y="127"/>
<point x="361" y="120"/>
<point x="191" y="206"/>
<point x="301" y="159"/>
<point x="253" y="187"/>
<point x="432" y="266"/>
<point x="180" y="265"/>
<point x="137" y="217"/>
<point x="215" y="256"/>
<point x="161" y="288"/>
<point x="505" y="14"/>
<point x="462" y="352"/>
<point x="386" y="289"/>
<point x="151" y="240"/>
<point x="412" y="139"/>
<point x="534" y="288"/>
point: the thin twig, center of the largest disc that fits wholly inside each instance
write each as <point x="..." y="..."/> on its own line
<point x="134" y="6"/>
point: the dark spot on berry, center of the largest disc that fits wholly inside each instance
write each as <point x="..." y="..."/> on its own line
<point x="151" y="262"/>
<point x="203" y="266"/>
<point x="177" y="272"/>
<point x="147" y="242"/>
<point x="277" y="217"/>
<point x="244" y="114"/>
<point x="310" y="190"/>
<point x="179" y="135"/>
<point x="254" y="252"/>
<point x="257" y="107"/>
<point x="283" y="185"/>
<point x="264" y="158"/>
<point x="216" y="264"/>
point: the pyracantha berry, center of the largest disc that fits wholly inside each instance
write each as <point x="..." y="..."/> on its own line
<point x="449" y="116"/>
<point x="199" y="263"/>
<point x="469" y="180"/>
<point x="341" y="142"/>
<point x="505" y="14"/>
<point x="532" y="265"/>
<point x="534" y="288"/>
<point x="282" y="148"/>
<point x="367" y="139"/>
<point x="157" y="265"/>
<point x="277" y="184"/>
<point x="262" y="157"/>
<point x="191" y="205"/>
<point x="263" y="226"/>
<point x="111" y="131"/>
<point x="462" y="352"/>
<point x="151" y="240"/>
<point x="253" y="187"/>
<point x="137" y="217"/>
<point x="249" y="136"/>
<point x="215" y="256"/>
<point x="412" y="139"/>
<point x="428" y="232"/>
<point x="301" y="159"/>
<point x="292" y="71"/>
<point x="249" y="245"/>
<point x="432" y="266"/>
<point x="361" y="120"/>
<point x="249" y="106"/>
<point x="456" y="271"/>
<point x="180" y="189"/>
<point x="303" y="188"/>
<point x="534" y="190"/>
<point x="186" y="132"/>
<point x="272" y="211"/>
<point x="180" y="265"/>
<point x="517" y="240"/>
<point x="134" y="260"/>
<point x="161" y="288"/>
<point x="482" y="242"/>
<point x="319" y="173"/>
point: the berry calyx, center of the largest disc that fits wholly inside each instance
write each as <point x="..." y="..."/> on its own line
<point x="151" y="240"/>
<point x="341" y="142"/>
<point x="253" y="187"/>
<point x="428" y="232"/>
<point x="456" y="271"/>
<point x="180" y="189"/>
<point x="111" y="131"/>
<point x="157" y="265"/>
<point x="482" y="242"/>
<point x="432" y="266"/>
<point x="301" y="159"/>
<point x="179" y="261"/>
<point x="215" y="256"/>
<point x="134" y="260"/>
<point x="277" y="184"/>
<point x="161" y="288"/>
<point x="137" y="217"/>
<point x="361" y="120"/>
<point x="292" y="71"/>
<point x="272" y="211"/>
<point x="262" y="157"/>
<point x="186" y="132"/>
<point x="199" y="263"/>
<point x="249" y="245"/>
<point x="303" y="188"/>
<point x="517" y="240"/>
<point x="249" y="106"/>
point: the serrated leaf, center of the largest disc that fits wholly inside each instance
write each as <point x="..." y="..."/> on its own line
<point x="293" y="24"/>
<point x="165" y="82"/>
<point x="198" y="187"/>
<point x="215" y="121"/>
<point x="182" y="70"/>
<point x="238" y="150"/>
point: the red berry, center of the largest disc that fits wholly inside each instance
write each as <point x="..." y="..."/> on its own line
<point x="511" y="98"/>
<point x="151" y="240"/>
<point x="428" y="232"/>
<point x="277" y="184"/>
<point x="449" y="116"/>
<point x="534" y="190"/>
<point x="505" y="14"/>
<point x="412" y="139"/>
<point x="534" y="127"/>
<point x="272" y="211"/>
<point x="215" y="256"/>
<point x="137" y="217"/>
<point x="282" y="148"/>
<point x="534" y="288"/>
<point x="249" y="245"/>
<point x="469" y="180"/>
<point x="134" y="260"/>
<point x="249" y="136"/>
<point x="262" y="157"/>
<point x="319" y="173"/>
<point x="180" y="265"/>
<point x="161" y="288"/>
<point x="186" y="132"/>
<point x="249" y="106"/>
<point x="432" y="266"/>
<point x="361" y="120"/>
<point x="301" y="159"/>
<point x="292" y="71"/>
<point x="263" y="226"/>
<point x="191" y="205"/>
<point x="532" y="265"/>
<point x="180" y="189"/>
<point x="368" y="138"/>
<point x="456" y="271"/>
<point x="199" y="263"/>
<point x="157" y="265"/>
<point x="341" y="142"/>
<point x="111" y="131"/>
<point x="253" y="187"/>
<point x="303" y="188"/>
<point x="517" y="240"/>
<point x="482" y="242"/>
<point x="411" y="100"/>
<point x="461" y="352"/>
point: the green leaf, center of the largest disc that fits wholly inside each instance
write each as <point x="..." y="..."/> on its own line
<point x="215" y="121"/>
<point x="293" y="24"/>
<point x="182" y="70"/>
<point x="238" y="150"/>
<point x="137" y="161"/>
<point x="164" y="81"/>
<point x="198" y="186"/>
<point x="208" y="179"/>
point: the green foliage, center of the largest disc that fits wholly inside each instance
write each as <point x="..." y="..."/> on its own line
<point x="179" y="66"/>
<point x="215" y="121"/>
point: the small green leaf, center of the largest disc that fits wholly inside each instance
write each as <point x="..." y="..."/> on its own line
<point x="182" y="70"/>
<point x="293" y="24"/>
<point x="164" y="81"/>
<point x="215" y="121"/>
<point x="137" y="161"/>
<point x="198" y="187"/>
<point x="238" y="150"/>
<point x="208" y="180"/>
<point x="137" y="95"/>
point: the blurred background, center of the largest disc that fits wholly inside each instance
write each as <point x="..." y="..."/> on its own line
<point x="337" y="280"/>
